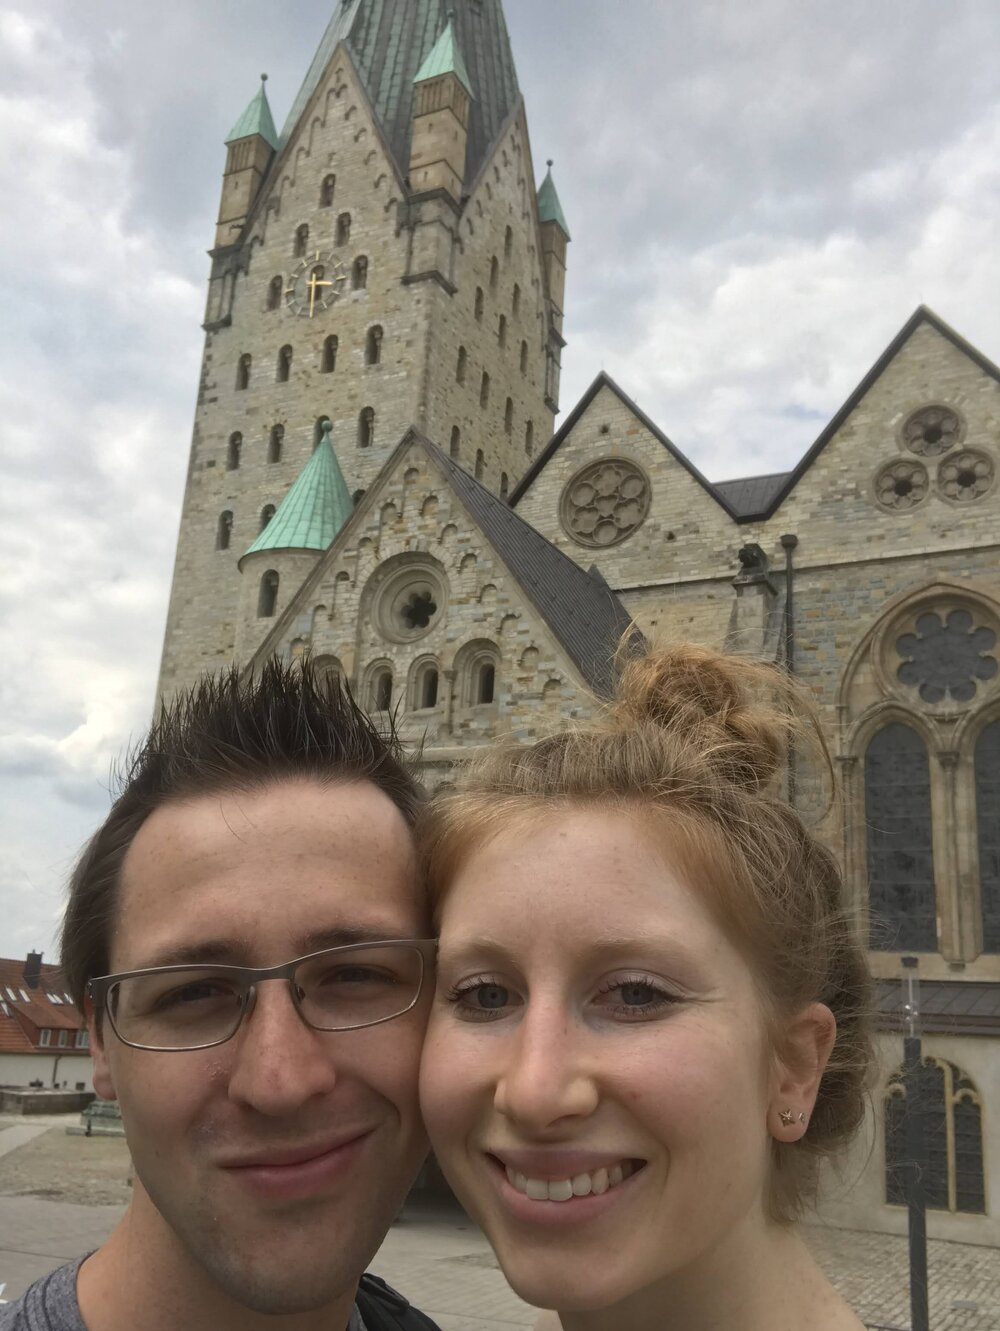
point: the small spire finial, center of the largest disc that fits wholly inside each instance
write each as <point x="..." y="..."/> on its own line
<point x="327" y="427"/>
<point x="550" y="162"/>
<point x="263" y="78"/>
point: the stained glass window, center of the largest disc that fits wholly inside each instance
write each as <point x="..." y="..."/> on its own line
<point x="953" y="1139"/>
<point x="900" y="842"/>
<point x="987" y="764"/>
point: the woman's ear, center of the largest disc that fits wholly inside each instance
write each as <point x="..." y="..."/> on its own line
<point x="807" y="1042"/>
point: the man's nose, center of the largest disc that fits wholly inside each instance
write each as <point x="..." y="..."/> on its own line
<point x="279" y="1062"/>
<point x="546" y="1073"/>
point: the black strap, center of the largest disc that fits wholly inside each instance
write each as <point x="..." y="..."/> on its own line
<point x="383" y="1308"/>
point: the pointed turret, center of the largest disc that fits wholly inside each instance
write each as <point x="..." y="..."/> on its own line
<point x="315" y="508"/>
<point x="252" y="143"/>
<point x="555" y="238"/>
<point x="442" y="100"/>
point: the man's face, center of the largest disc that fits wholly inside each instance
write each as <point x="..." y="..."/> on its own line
<point x="218" y="1135"/>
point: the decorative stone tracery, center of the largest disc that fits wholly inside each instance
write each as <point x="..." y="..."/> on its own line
<point x="901" y="485"/>
<point x="947" y="659"/>
<point x="605" y="502"/>
<point x="932" y="431"/>
<point x="966" y="476"/>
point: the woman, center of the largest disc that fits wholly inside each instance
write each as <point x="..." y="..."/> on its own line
<point x="651" y="1017"/>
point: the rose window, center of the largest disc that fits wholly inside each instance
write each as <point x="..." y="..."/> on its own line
<point x="605" y="503"/>
<point x="410" y="602"/>
<point x="965" y="476"/>
<point x="901" y="485"/>
<point x="418" y="610"/>
<point x="932" y="431"/>
<point x="947" y="658"/>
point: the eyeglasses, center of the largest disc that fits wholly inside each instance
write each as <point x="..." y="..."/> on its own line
<point x="196" y="1007"/>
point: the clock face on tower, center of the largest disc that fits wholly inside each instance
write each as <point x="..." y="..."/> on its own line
<point x="315" y="284"/>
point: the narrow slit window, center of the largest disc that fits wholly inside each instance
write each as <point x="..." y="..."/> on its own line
<point x="267" y="597"/>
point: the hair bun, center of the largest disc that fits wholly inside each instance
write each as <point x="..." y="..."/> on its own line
<point x="734" y="711"/>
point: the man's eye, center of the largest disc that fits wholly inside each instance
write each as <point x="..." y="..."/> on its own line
<point x="202" y="991"/>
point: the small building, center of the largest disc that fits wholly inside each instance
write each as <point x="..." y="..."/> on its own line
<point x="43" y="1037"/>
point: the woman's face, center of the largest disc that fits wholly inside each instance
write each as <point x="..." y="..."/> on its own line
<point x="596" y="1077"/>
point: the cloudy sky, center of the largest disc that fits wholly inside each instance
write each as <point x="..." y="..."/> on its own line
<point x="760" y="192"/>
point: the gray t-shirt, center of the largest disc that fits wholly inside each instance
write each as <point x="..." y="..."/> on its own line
<point x="50" y="1305"/>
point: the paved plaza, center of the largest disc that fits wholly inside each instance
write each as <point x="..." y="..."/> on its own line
<point x="444" y="1265"/>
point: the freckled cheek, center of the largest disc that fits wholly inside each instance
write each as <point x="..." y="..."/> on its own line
<point x="453" y="1084"/>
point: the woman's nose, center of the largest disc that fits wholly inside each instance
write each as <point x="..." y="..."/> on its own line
<point x="547" y="1073"/>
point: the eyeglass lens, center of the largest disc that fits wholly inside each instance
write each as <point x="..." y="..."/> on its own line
<point x="199" y="1006"/>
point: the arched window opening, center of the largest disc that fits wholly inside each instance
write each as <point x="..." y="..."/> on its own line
<point x="529" y="438"/>
<point x="952" y="1112"/>
<point x="359" y="273"/>
<point x="900" y="842"/>
<point x="373" y="346"/>
<point x="524" y="358"/>
<point x="508" y="416"/>
<point x="515" y="300"/>
<point x="479" y="464"/>
<point x="494" y="273"/>
<point x="460" y="368"/>
<point x="318" y="431"/>
<point x="274" y="292"/>
<point x="243" y="371"/>
<point x="328" y="670"/>
<point x="484" y="391"/>
<point x="502" y="330"/>
<point x="456" y="440"/>
<point x="326" y="191"/>
<point x="366" y="428"/>
<point x="358" y="496"/>
<point x="275" y="443"/>
<point x="508" y="243"/>
<point x="380" y="697"/>
<point x="234" y="452"/>
<point x="344" y="229"/>
<point x="329" y="361"/>
<point x="267" y="597"/>
<point x="224" y="530"/>
<point x="503" y="485"/>
<point x="987" y="774"/>
<point x="284" y="365"/>
<point x="484" y="684"/>
<point x="480" y="303"/>
<point x="301" y="246"/>
<point x="266" y="514"/>
<point x="425" y="693"/>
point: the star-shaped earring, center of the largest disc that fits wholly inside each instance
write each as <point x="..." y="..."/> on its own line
<point x="787" y="1117"/>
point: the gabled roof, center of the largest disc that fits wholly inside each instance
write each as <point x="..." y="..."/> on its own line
<point x="582" y="611"/>
<point x="256" y="119"/>
<point x="549" y="207"/>
<point x="26" y="1011"/>
<point x="390" y="40"/>
<point x="756" y="498"/>
<point x="315" y="508"/>
<point x="445" y="58"/>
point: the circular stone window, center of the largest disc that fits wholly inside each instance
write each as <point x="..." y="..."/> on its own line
<point x="901" y="485"/>
<point x="932" y="431"/>
<point x="965" y="476"/>
<point x="409" y="603"/>
<point x="605" y="502"/>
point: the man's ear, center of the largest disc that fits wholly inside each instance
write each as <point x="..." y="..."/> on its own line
<point x="807" y="1042"/>
<point x="97" y="1025"/>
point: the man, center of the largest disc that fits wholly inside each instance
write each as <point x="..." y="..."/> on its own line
<point x="270" y="1107"/>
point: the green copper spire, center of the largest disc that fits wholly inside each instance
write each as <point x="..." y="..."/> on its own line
<point x="549" y="207"/>
<point x="315" y="508"/>
<point x="256" y="119"/>
<point x="446" y="58"/>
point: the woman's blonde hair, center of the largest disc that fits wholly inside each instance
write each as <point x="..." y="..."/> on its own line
<point x="699" y="741"/>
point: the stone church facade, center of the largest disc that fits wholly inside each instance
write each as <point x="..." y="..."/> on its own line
<point x="374" y="482"/>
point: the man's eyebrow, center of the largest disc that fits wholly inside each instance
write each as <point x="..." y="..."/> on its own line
<point x="227" y="952"/>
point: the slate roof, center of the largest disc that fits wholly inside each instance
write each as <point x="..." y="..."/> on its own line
<point x="751" y="494"/>
<point x="26" y="1011"/>
<point x="580" y="608"/>
<point x="390" y="40"/>
<point x="256" y="119"/>
<point x="314" y="509"/>
<point x="953" y="1007"/>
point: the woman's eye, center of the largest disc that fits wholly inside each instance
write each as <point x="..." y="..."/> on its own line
<point x="480" y="1000"/>
<point x="635" y="997"/>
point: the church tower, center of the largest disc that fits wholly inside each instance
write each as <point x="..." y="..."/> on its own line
<point x="384" y="263"/>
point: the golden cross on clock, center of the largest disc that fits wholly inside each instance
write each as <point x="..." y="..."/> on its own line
<point x="315" y="284"/>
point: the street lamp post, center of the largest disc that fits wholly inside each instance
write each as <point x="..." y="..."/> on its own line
<point x="916" y="1155"/>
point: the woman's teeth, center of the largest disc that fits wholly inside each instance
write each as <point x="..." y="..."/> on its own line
<point x="565" y="1189"/>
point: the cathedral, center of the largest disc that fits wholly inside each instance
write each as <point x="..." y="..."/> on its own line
<point x="374" y="482"/>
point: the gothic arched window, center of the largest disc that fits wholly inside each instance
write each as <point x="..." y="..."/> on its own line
<point x="900" y="842"/>
<point x="267" y="597"/>
<point x="373" y="346"/>
<point x="425" y="687"/>
<point x="274" y="291"/>
<point x="329" y="360"/>
<point x="953" y="1139"/>
<point x="366" y="428"/>
<point x="284" y="365"/>
<point x="380" y="694"/>
<point x="344" y="229"/>
<point x="234" y="451"/>
<point x="326" y="191"/>
<point x="266" y="514"/>
<point x="223" y="531"/>
<point x="987" y="770"/>
<point x="301" y="244"/>
<point x="359" y="273"/>
<point x="243" y="371"/>
<point x="275" y="443"/>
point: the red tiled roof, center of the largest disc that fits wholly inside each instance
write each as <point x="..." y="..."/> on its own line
<point x="26" y="1011"/>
